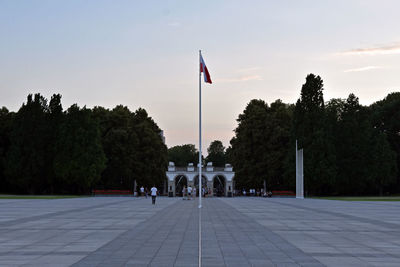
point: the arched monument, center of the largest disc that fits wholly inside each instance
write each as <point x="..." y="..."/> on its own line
<point x="220" y="178"/>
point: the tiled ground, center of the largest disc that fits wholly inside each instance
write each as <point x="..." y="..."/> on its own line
<point x="335" y="233"/>
<point x="236" y="232"/>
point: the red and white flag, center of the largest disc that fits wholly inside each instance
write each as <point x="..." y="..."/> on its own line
<point x="204" y="70"/>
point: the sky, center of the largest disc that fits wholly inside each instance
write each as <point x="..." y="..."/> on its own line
<point x="145" y="54"/>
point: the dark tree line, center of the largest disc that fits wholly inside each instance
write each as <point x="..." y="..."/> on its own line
<point x="182" y="155"/>
<point x="349" y="149"/>
<point x="261" y="144"/>
<point x="45" y="150"/>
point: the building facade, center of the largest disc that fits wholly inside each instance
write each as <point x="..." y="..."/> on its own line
<point x="216" y="181"/>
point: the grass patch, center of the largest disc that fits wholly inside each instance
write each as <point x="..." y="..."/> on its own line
<point x="38" y="196"/>
<point x="393" y="198"/>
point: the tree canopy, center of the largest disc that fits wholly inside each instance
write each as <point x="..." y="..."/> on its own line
<point x="216" y="154"/>
<point x="183" y="154"/>
<point x="260" y="144"/>
<point x="349" y="149"/>
<point x="45" y="150"/>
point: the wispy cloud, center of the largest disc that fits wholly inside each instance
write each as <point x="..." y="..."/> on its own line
<point x="174" y="24"/>
<point x="364" y="68"/>
<point x="248" y="69"/>
<point x="378" y="50"/>
<point x="241" y="79"/>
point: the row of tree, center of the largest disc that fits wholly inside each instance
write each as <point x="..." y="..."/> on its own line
<point x="182" y="155"/>
<point x="45" y="150"/>
<point x="349" y="149"/>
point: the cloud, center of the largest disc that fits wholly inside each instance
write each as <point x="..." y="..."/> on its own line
<point x="241" y="79"/>
<point x="248" y="69"/>
<point x="379" y="50"/>
<point x="364" y="69"/>
<point x="174" y="24"/>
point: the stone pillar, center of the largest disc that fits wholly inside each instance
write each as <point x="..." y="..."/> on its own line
<point x="228" y="189"/>
<point x="265" y="186"/>
<point x="210" y="185"/>
<point x="171" y="188"/>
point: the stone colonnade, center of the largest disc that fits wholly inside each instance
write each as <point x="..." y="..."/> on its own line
<point x="209" y="173"/>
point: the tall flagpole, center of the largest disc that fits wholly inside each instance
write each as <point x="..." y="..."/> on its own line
<point x="200" y="177"/>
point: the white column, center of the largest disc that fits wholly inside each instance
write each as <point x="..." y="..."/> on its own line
<point x="200" y="177"/>
<point x="299" y="173"/>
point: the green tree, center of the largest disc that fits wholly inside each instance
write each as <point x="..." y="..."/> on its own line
<point x="183" y="154"/>
<point x="216" y="154"/>
<point x="118" y="142"/>
<point x="261" y="144"/>
<point x="352" y="145"/>
<point x="382" y="167"/>
<point x="385" y="116"/>
<point x="151" y="163"/>
<point x="54" y="119"/>
<point x="26" y="160"/>
<point x="6" y="120"/>
<point x="81" y="159"/>
<point x="133" y="147"/>
<point x="365" y="162"/>
<point x="278" y="145"/>
<point x="313" y="135"/>
<point x="249" y="153"/>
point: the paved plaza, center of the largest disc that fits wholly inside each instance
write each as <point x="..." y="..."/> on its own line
<point x="125" y="231"/>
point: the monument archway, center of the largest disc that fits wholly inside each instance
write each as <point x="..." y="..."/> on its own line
<point x="203" y="183"/>
<point x="180" y="182"/>
<point x="219" y="185"/>
<point x="209" y="172"/>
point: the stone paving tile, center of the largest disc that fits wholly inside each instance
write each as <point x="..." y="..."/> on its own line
<point x="236" y="232"/>
<point x="62" y="232"/>
<point x="228" y="231"/>
<point x="354" y="233"/>
<point x="167" y="238"/>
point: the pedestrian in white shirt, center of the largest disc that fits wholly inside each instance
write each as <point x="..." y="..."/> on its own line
<point x="153" y="194"/>
<point x="189" y="190"/>
<point x="142" y="191"/>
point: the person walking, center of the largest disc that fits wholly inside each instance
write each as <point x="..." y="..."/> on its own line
<point x="189" y="191"/>
<point x="142" y="191"/>
<point x="184" y="192"/>
<point x="146" y="191"/>
<point x="153" y="194"/>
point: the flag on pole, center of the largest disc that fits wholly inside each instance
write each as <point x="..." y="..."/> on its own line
<point x="204" y="70"/>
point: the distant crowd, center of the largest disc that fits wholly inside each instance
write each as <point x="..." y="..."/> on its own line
<point x="253" y="192"/>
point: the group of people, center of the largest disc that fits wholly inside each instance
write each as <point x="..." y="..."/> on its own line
<point x="256" y="193"/>
<point x="154" y="192"/>
<point x="206" y="192"/>
<point x="187" y="192"/>
<point x="143" y="191"/>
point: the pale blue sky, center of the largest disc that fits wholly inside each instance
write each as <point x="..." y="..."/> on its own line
<point x="145" y="54"/>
